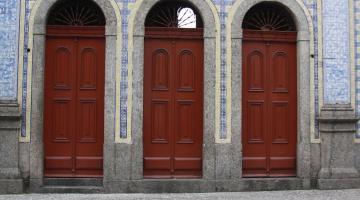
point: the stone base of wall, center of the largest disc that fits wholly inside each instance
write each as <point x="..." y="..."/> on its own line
<point x="332" y="184"/>
<point x="195" y="186"/>
<point x="16" y="186"/>
<point x="10" y="179"/>
<point x="11" y="186"/>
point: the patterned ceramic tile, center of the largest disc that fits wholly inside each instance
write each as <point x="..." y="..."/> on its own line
<point x="357" y="59"/>
<point x="25" y="69"/>
<point x="9" y="29"/>
<point x="336" y="40"/>
<point x="222" y="4"/>
<point x="125" y="12"/>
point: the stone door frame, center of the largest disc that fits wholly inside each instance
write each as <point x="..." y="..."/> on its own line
<point x="303" y="24"/>
<point x="209" y="83"/>
<point x="37" y="101"/>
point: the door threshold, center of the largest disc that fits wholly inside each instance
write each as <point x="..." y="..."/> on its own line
<point x="96" y="182"/>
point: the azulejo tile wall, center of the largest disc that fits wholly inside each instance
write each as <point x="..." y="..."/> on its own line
<point x="9" y="20"/>
<point x="124" y="85"/>
<point x="357" y="58"/>
<point x="336" y="51"/>
<point x="126" y="10"/>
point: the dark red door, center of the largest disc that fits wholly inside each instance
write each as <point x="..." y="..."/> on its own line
<point x="74" y="102"/>
<point x="173" y="103"/>
<point x="269" y="104"/>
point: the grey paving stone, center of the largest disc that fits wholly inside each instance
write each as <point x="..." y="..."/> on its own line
<point x="293" y="195"/>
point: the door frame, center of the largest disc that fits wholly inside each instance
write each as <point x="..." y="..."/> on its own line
<point x="209" y="147"/>
<point x="305" y="45"/>
<point x="36" y="148"/>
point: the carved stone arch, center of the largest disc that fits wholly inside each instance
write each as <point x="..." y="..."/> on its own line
<point x="35" y="100"/>
<point x="209" y="16"/>
<point x="44" y="8"/>
<point x="305" y="45"/>
<point x="299" y="13"/>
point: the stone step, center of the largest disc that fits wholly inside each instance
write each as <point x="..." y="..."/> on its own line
<point x="72" y="189"/>
<point x="97" y="182"/>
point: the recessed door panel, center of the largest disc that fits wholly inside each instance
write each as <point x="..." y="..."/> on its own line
<point x="88" y="68"/>
<point x="280" y="122"/>
<point x="280" y="72"/>
<point x="255" y="125"/>
<point x="160" y="76"/>
<point x="87" y="120"/>
<point x="62" y="64"/>
<point x="62" y="120"/>
<point x="185" y="122"/>
<point x="256" y="70"/>
<point x="187" y="67"/>
<point x="74" y="103"/>
<point x="269" y="118"/>
<point x="160" y="121"/>
<point x="173" y="105"/>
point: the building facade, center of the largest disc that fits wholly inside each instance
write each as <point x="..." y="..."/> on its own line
<point x="179" y="96"/>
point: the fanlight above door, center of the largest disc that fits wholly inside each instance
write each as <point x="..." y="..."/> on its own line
<point x="76" y="13"/>
<point x="174" y="15"/>
<point x="268" y="17"/>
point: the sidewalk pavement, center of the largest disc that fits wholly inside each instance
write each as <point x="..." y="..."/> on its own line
<point x="273" y="195"/>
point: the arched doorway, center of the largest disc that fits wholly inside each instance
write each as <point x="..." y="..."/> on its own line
<point x="173" y="91"/>
<point x="74" y="90"/>
<point x="269" y="125"/>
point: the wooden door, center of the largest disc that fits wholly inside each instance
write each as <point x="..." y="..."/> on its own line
<point x="269" y="104"/>
<point x="74" y="102"/>
<point x="173" y="103"/>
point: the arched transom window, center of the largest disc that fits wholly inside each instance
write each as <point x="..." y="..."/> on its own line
<point x="174" y="14"/>
<point x="76" y="13"/>
<point x="268" y="17"/>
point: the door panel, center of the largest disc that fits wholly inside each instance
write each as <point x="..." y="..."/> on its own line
<point x="59" y="118"/>
<point x="254" y="108"/>
<point x="173" y="107"/>
<point x="269" y="105"/>
<point x="186" y="71"/>
<point x="157" y="108"/>
<point x="74" y="106"/>
<point x="90" y="106"/>
<point x="160" y="121"/>
<point x="256" y="70"/>
<point x="283" y="97"/>
<point x="188" y="94"/>
<point x="160" y="72"/>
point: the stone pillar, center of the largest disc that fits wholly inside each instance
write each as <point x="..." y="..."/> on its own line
<point x="337" y="129"/>
<point x="10" y="179"/>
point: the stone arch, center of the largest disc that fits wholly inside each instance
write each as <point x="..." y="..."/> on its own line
<point x="211" y="26"/>
<point x="35" y="77"/>
<point x="42" y="11"/>
<point x="299" y="12"/>
<point x="305" y="63"/>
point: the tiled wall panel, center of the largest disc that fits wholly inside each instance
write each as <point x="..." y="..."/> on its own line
<point x="9" y="26"/>
<point x="336" y="41"/>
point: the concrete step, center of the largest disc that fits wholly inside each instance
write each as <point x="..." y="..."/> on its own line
<point x="72" y="185"/>
<point x="72" y="189"/>
<point x="98" y="182"/>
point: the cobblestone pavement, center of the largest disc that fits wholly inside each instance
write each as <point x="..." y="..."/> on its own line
<point x="293" y="195"/>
